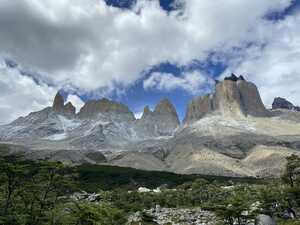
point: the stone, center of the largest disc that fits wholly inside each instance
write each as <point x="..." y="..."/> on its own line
<point x="282" y="103"/>
<point x="264" y="220"/>
<point x="58" y="103"/>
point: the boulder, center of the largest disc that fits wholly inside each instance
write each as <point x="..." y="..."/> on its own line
<point x="264" y="220"/>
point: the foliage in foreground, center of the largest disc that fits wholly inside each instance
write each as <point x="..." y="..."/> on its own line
<point x="34" y="193"/>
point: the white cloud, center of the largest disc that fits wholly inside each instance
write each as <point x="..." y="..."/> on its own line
<point x="275" y="68"/>
<point x="76" y="101"/>
<point x="20" y="95"/>
<point x="192" y="82"/>
<point x="90" y="46"/>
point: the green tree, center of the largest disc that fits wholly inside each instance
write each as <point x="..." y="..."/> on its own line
<point x="292" y="171"/>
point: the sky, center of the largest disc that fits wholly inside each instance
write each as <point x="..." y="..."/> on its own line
<point x="140" y="51"/>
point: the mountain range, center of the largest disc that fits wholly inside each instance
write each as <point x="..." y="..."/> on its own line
<point x="227" y="133"/>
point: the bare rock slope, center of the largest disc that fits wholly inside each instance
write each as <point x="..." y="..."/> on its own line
<point x="228" y="133"/>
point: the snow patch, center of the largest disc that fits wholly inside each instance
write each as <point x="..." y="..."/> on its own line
<point x="57" y="137"/>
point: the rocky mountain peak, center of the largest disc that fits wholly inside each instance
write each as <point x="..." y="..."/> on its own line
<point x="282" y="103"/>
<point x="58" y="103"/>
<point x="93" y="107"/>
<point x="59" y="107"/>
<point x="69" y="109"/>
<point x="232" y="97"/>
<point x="147" y="112"/>
<point x="161" y="122"/>
<point x="234" y="78"/>
<point x="165" y="106"/>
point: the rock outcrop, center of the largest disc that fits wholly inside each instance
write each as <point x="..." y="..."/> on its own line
<point x="58" y="103"/>
<point x="59" y="106"/>
<point x="233" y="97"/>
<point x="104" y="106"/>
<point x="282" y="103"/>
<point x="69" y="110"/>
<point x="161" y="122"/>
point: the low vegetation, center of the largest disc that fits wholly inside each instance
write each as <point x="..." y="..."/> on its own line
<point x="42" y="192"/>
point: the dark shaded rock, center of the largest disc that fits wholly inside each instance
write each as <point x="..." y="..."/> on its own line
<point x="58" y="103"/>
<point x="98" y="157"/>
<point x="69" y="110"/>
<point x="233" y="77"/>
<point x="282" y="103"/>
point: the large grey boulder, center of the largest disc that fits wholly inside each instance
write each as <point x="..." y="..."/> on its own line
<point x="264" y="220"/>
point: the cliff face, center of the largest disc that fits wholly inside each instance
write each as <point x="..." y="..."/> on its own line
<point x="161" y="122"/>
<point x="232" y="97"/>
<point x="92" y="108"/>
<point x="59" y="106"/>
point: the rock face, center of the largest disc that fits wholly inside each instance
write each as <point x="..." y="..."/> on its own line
<point x="59" y="106"/>
<point x="282" y="103"/>
<point x="69" y="110"/>
<point x="218" y="137"/>
<point x="161" y="122"/>
<point x="233" y="97"/>
<point x="58" y="103"/>
<point x="94" y="107"/>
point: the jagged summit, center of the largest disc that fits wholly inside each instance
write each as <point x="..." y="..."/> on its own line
<point x="282" y="103"/>
<point x="232" y="97"/>
<point x="58" y="103"/>
<point x="59" y="106"/>
<point x="161" y="122"/>
<point x="234" y="78"/>
<point x="165" y="106"/>
<point x="93" y="107"/>
<point x="147" y="112"/>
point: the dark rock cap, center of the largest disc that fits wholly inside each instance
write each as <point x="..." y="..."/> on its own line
<point x="282" y="103"/>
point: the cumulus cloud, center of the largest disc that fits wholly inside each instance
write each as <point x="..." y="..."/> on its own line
<point x="192" y="82"/>
<point x="20" y="94"/>
<point x="273" y="64"/>
<point x="89" y="46"/>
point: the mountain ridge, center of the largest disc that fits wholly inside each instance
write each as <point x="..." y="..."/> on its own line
<point x="223" y="133"/>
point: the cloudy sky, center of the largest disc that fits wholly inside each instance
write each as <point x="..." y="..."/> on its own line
<point x="138" y="52"/>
